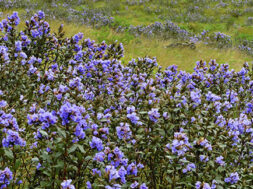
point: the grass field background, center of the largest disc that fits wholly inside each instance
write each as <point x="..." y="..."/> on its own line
<point x="228" y="19"/>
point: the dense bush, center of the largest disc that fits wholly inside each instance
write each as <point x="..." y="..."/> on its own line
<point x="73" y="116"/>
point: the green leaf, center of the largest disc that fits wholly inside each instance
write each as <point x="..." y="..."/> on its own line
<point x="35" y="159"/>
<point x="17" y="164"/>
<point x="143" y="112"/>
<point x="73" y="148"/>
<point x="8" y="153"/>
<point x="44" y="133"/>
<point x="81" y="148"/>
<point x="61" y="132"/>
<point x="129" y="94"/>
<point x="60" y="164"/>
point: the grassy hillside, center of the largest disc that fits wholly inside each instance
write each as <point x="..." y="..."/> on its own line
<point x="230" y="18"/>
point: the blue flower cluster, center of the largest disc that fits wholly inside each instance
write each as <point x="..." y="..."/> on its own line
<point x="5" y="177"/>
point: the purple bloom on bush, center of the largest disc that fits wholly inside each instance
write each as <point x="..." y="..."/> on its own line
<point x="198" y="185"/>
<point x="14" y="18"/>
<point x="96" y="143"/>
<point x="212" y="97"/>
<point x="180" y="145"/>
<point x="41" y="15"/>
<point x="88" y="184"/>
<point x="133" y="118"/>
<point x="80" y="132"/>
<point x="196" y="96"/>
<point x="203" y="158"/>
<point x="143" y="186"/>
<point x="206" y="186"/>
<point x="220" y="161"/>
<point x="122" y="173"/>
<point x="206" y="144"/>
<point x="18" y="46"/>
<point x="112" y="172"/>
<point x="134" y="185"/>
<point x="96" y="172"/>
<point x="189" y="167"/>
<point x="5" y="177"/>
<point x="38" y="166"/>
<point x="115" y="186"/>
<point x="66" y="184"/>
<point x="130" y="109"/>
<point x="12" y="139"/>
<point x="78" y="37"/>
<point x="47" y="118"/>
<point x="23" y="55"/>
<point x="233" y="178"/>
<point x="154" y="114"/>
<point x="3" y="103"/>
<point x="132" y="169"/>
<point x="123" y="131"/>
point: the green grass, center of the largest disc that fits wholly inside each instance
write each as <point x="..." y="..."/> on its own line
<point x="185" y="58"/>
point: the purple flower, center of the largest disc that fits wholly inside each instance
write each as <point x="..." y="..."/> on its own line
<point x="47" y="118"/>
<point x="198" y="185"/>
<point x="14" y="18"/>
<point x="96" y="143"/>
<point x="133" y="118"/>
<point x="233" y="178"/>
<point x="143" y="186"/>
<point x="206" y="144"/>
<point x="115" y="186"/>
<point x="66" y="184"/>
<point x="113" y="173"/>
<point x="130" y="109"/>
<point x="88" y="184"/>
<point x="134" y="185"/>
<point x="12" y="139"/>
<point x="193" y="119"/>
<point x="18" y="46"/>
<point x="153" y="114"/>
<point x="123" y="131"/>
<point x="232" y="96"/>
<point x="20" y="182"/>
<point x="80" y="132"/>
<point x="203" y="158"/>
<point x="180" y="145"/>
<point x="220" y="161"/>
<point x="5" y="177"/>
<point x="206" y="186"/>
<point x="41" y="15"/>
<point x="96" y="172"/>
<point x="3" y="103"/>
<point x="78" y="37"/>
<point x="189" y="167"/>
<point x="132" y="169"/>
<point x="38" y="166"/>
<point x="196" y="96"/>
<point x="212" y="97"/>
<point x="122" y="173"/>
<point x="23" y="55"/>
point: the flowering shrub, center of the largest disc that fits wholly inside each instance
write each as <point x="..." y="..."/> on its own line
<point x="73" y="116"/>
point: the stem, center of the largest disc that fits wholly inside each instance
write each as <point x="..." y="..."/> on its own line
<point x="14" y="162"/>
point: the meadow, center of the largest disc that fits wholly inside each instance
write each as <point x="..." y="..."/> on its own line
<point x="126" y="94"/>
<point x="104" y="20"/>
